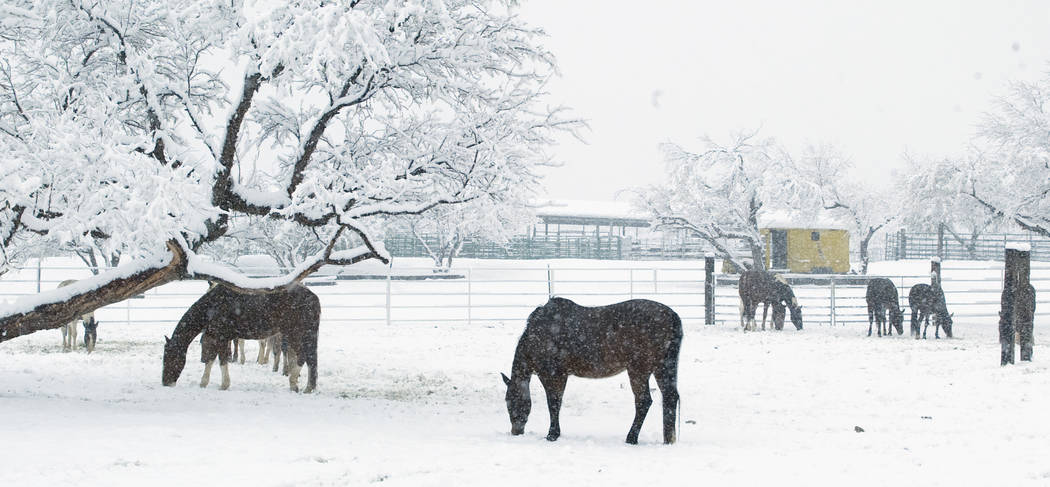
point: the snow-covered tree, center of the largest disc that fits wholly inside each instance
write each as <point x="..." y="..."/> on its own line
<point x="1010" y="175"/>
<point x="933" y="195"/>
<point x="718" y="192"/>
<point x="443" y="231"/>
<point x="868" y="207"/>
<point x="142" y="123"/>
<point x="288" y="243"/>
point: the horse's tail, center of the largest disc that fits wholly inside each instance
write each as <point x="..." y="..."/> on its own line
<point x="670" y="371"/>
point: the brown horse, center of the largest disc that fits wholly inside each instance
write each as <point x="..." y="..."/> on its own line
<point x="756" y="287"/>
<point x="562" y="338"/>
<point x="926" y="301"/>
<point x="223" y="315"/>
<point x="882" y="297"/>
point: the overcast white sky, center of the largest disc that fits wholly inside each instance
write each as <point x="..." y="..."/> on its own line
<point x="875" y="78"/>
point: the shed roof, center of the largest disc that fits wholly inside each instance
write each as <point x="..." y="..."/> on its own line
<point x="821" y="220"/>
<point x="587" y="212"/>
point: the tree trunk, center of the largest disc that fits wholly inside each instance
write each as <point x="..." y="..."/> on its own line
<point x="864" y="257"/>
<point x="758" y="255"/>
<point x="54" y="315"/>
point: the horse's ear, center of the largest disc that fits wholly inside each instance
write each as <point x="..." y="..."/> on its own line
<point x="166" y="339"/>
<point x="506" y="380"/>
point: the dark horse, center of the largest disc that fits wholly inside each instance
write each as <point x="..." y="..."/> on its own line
<point x="882" y="296"/>
<point x="563" y="338"/>
<point x="223" y="315"/>
<point x="756" y="287"/>
<point x="924" y="301"/>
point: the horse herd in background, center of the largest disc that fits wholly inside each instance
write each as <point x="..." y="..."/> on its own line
<point x="761" y="287"/>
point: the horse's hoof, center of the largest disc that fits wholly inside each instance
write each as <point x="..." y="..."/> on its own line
<point x="632" y="441"/>
<point x="552" y="437"/>
<point x="308" y="390"/>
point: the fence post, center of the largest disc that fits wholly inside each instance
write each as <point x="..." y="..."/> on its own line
<point x="1017" y="306"/>
<point x="656" y="282"/>
<point x="904" y="245"/>
<point x="940" y="241"/>
<point x="469" y="303"/>
<point x="709" y="289"/>
<point x="128" y="315"/>
<point x="38" y="259"/>
<point x="550" y="282"/>
<point x="630" y="279"/>
<point x="935" y="273"/>
<point x="832" y="278"/>
<point x="388" y="271"/>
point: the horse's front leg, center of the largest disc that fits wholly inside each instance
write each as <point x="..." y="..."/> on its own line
<point x="642" y="400"/>
<point x="926" y="324"/>
<point x="554" y="386"/>
<point x="207" y="372"/>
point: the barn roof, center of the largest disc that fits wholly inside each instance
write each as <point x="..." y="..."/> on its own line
<point x="820" y="220"/>
<point x="587" y="212"/>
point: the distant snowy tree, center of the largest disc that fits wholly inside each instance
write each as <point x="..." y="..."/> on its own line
<point x="717" y="193"/>
<point x="443" y="231"/>
<point x="1009" y="177"/>
<point x="141" y="123"/>
<point x="868" y="207"/>
<point x="288" y="243"/>
<point x="933" y="193"/>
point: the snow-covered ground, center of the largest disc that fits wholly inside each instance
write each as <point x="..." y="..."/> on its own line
<point x="422" y="404"/>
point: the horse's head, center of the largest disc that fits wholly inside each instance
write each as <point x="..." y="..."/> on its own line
<point x="519" y="404"/>
<point x="796" y="314"/>
<point x="897" y="319"/>
<point x="945" y="320"/>
<point x="174" y="362"/>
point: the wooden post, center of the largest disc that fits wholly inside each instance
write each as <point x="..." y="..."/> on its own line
<point x="903" y="242"/>
<point x="1006" y="311"/>
<point x="940" y="241"/>
<point x="935" y="273"/>
<point x="709" y="289"/>
<point x="1024" y="305"/>
<point x="1017" y="304"/>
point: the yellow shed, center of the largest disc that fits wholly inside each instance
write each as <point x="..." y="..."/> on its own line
<point x="792" y="245"/>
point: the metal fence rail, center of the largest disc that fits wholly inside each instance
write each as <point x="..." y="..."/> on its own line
<point x="484" y="295"/>
<point x="904" y="245"/>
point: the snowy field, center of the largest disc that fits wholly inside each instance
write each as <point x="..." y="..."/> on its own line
<point x="422" y="404"/>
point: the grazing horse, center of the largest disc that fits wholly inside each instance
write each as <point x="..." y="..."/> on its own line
<point x="756" y="287"/>
<point x="562" y="338"/>
<point x="223" y="315"/>
<point x="924" y="301"/>
<point x="882" y="296"/>
<point x="69" y="331"/>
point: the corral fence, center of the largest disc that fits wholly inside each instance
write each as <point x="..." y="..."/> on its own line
<point x="522" y="247"/>
<point x="489" y="295"/>
<point x="902" y="245"/>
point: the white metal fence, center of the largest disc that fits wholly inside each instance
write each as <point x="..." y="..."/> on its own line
<point x="484" y="295"/>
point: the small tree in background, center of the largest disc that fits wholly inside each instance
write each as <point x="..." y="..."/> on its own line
<point x="1007" y="175"/>
<point x="933" y="194"/>
<point x="718" y="192"/>
<point x="444" y="231"/>
<point x="868" y="208"/>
